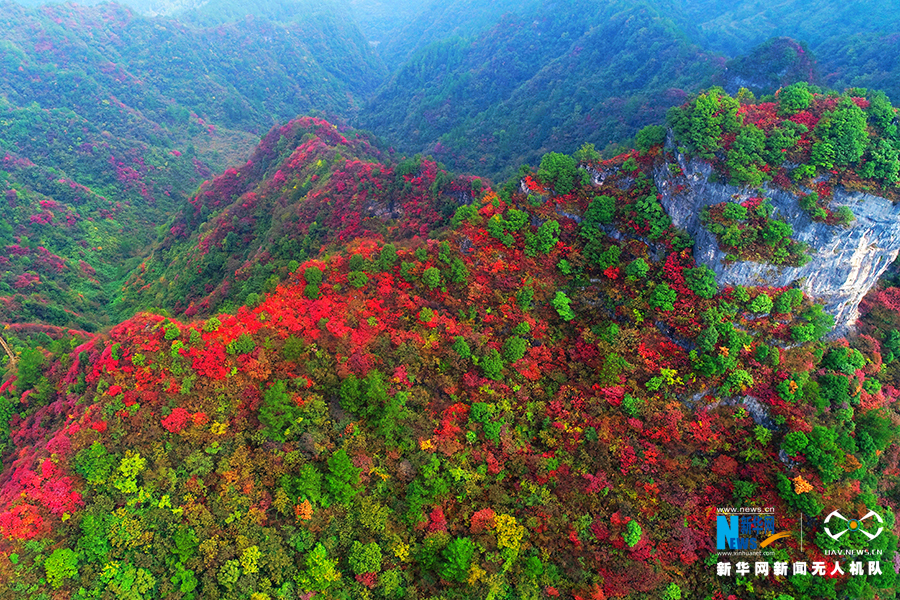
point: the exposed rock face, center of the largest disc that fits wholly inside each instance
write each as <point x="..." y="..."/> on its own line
<point x="846" y="261"/>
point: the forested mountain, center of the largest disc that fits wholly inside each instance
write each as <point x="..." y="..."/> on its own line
<point x="734" y="27"/>
<point x="109" y="119"/>
<point x="250" y="352"/>
<point x="457" y="391"/>
<point x="306" y="188"/>
<point x="554" y="79"/>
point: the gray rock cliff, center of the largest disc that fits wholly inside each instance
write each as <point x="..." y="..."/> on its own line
<point x="846" y="261"/>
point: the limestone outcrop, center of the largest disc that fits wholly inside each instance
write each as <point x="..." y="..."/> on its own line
<point x="846" y="260"/>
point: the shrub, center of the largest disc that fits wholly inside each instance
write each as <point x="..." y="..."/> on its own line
<point x="637" y="268"/>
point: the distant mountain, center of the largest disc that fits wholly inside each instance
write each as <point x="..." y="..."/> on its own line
<point x="868" y="60"/>
<point x="735" y="27"/>
<point x="437" y="21"/>
<point x="559" y="77"/>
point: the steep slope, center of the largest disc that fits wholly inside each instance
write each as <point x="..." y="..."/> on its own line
<point x="546" y="397"/>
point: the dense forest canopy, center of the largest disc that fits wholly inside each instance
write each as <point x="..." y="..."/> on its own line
<point x="252" y="352"/>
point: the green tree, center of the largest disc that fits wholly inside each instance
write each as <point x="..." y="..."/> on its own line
<point x="61" y="565"/>
<point x="734" y="211"/>
<point x="357" y="279"/>
<point x="365" y="558"/>
<point x="560" y="171"/>
<point x="700" y="125"/>
<point x="94" y="463"/>
<point x="545" y="240"/>
<point x="761" y="304"/>
<point x="632" y="533"/>
<point x="387" y="258"/>
<point x="601" y="211"/>
<point x="708" y="339"/>
<point x="492" y="365"/>
<point x="737" y="380"/>
<point x="342" y="477"/>
<point x="320" y="572"/>
<point x="842" y="136"/>
<point x="313" y="276"/>
<point x="587" y="153"/>
<point x="788" y="301"/>
<point x="794" y="98"/>
<point x="514" y="348"/>
<point x="461" y="347"/>
<point x="794" y="442"/>
<point x="775" y="231"/>
<point x="637" y="268"/>
<point x="278" y="411"/>
<point x="457" y="558"/>
<point x="702" y="281"/>
<point x="649" y="136"/>
<point x="673" y="592"/>
<point x="663" y="297"/>
<point x="561" y="303"/>
<point x="432" y="277"/>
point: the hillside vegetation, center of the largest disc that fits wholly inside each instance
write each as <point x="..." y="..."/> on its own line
<point x="109" y="120"/>
<point x="466" y="393"/>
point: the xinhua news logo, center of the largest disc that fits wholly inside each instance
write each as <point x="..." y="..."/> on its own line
<point x="746" y="529"/>
<point x="842" y="525"/>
